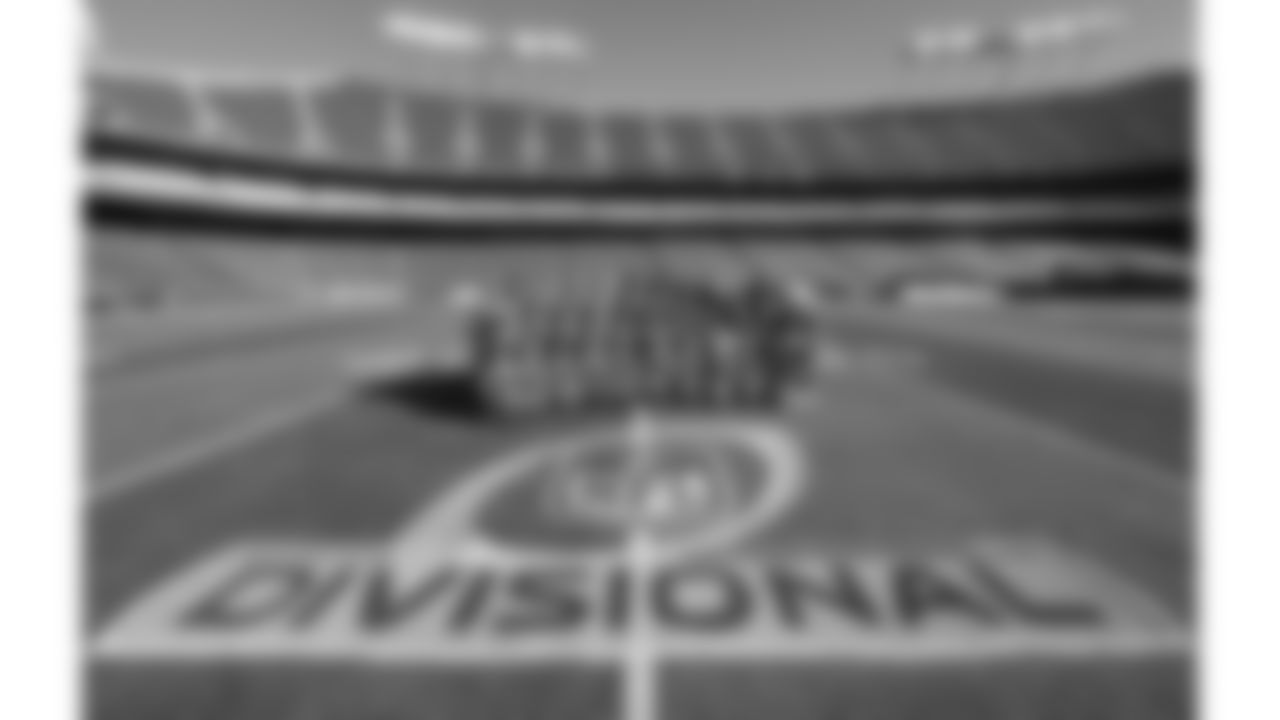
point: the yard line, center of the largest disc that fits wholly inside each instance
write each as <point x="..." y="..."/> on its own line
<point x="641" y="685"/>
<point x="207" y="447"/>
<point x="640" y="656"/>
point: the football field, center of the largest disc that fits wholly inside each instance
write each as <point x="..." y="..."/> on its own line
<point x="982" y="517"/>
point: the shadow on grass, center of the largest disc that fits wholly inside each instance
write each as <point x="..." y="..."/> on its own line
<point x="451" y="395"/>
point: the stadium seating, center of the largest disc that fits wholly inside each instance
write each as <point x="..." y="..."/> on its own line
<point x="366" y="124"/>
<point x="142" y="106"/>
<point x="344" y="156"/>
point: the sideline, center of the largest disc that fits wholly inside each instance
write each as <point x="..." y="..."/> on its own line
<point x="208" y="447"/>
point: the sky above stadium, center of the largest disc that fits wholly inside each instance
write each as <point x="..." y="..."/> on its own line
<point x="660" y="53"/>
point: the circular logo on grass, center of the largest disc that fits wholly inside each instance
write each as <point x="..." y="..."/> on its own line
<point x="682" y="486"/>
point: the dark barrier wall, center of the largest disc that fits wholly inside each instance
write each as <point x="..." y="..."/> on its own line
<point x="1158" y="179"/>
<point x="1172" y="234"/>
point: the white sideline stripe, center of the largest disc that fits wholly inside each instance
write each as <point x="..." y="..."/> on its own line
<point x="1037" y="429"/>
<point x="205" y="448"/>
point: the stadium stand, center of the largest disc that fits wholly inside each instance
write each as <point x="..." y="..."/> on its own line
<point x="250" y="175"/>
<point x="345" y="124"/>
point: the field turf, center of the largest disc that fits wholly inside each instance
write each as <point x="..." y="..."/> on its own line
<point x="918" y="440"/>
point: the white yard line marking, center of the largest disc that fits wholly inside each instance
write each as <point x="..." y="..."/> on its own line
<point x="640" y="661"/>
<point x="205" y="448"/>
<point x="641" y="684"/>
<point x="1036" y="429"/>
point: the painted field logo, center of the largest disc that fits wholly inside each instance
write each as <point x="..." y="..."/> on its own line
<point x="565" y="551"/>
<point x="686" y="488"/>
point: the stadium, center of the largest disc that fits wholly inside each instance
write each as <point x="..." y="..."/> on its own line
<point x="977" y="504"/>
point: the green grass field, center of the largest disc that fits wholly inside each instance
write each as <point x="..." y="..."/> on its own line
<point x="959" y="437"/>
